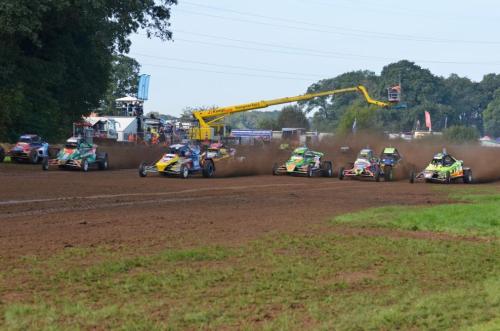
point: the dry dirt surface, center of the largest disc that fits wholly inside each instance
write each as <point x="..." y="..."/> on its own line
<point x="44" y="212"/>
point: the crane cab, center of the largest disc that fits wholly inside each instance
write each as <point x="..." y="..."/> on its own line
<point x="394" y="93"/>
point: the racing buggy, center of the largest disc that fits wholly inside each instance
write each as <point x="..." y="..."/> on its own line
<point x="305" y="162"/>
<point x="389" y="159"/>
<point x="181" y="161"/>
<point x="29" y="148"/>
<point x="218" y="152"/>
<point x="367" y="165"/>
<point x="443" y="168"/>
<point x="78" y="154"/>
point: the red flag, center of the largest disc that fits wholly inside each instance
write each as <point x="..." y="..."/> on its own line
<point x="428" y="122"/>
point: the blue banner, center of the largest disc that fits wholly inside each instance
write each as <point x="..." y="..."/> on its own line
<point x="143" y="89"/>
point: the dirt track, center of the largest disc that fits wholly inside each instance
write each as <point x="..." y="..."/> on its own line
<point x="44" y="212"/>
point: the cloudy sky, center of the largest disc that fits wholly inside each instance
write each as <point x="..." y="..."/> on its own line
<point x="233" y="51"/>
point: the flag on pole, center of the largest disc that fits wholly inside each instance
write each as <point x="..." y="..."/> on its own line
<point x="428" y="122"/>
<point x="354" y="125"/>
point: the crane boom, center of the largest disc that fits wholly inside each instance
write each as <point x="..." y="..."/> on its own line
<point x="210" y="118"/>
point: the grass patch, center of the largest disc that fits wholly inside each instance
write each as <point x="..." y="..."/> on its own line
<point x="324" y="282"/>
<point x="278" y="283"/>
<point x="476" y="214"/>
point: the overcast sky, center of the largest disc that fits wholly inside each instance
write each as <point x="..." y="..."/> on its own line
<point x="233" y="51"/>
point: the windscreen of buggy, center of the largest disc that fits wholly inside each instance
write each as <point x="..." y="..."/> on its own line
<point x="25" y="140"/>
<point x="389" y="156"/>
<point x="437" y="161"/>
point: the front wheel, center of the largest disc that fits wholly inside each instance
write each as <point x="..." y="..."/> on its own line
<point x="45" y="164"/>
<point x="309" y="171"/>
<point x="275" y="169"/>
<point x="184" y="172"/>
<point x="33" y="157"/>
<point x="142" y="170"/>
<point x="388" y="174"/>
<point x="85" y="165"/>
<point x="341" y="173"/>
<point x="377" y="175"/>
<point x="447" y="178"/>
<point x="412" y="177"/>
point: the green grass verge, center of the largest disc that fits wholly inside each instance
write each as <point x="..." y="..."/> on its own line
<point x="320" y="282"/>
<point x="476" y="214"/>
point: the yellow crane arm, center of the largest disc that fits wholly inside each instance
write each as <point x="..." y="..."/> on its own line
<point x="204" y="116"/>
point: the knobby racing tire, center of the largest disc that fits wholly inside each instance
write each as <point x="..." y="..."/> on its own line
<point x="103" y="163"/>
<point x="341" y="173"/>
<point x="184" y="172"/>
<point x="388" y="174"/>
<point x="208" y="169"/>
<point x="310" y="172"/>
<point x="142" y="170"/>
<point x="412" y="177"/>
<point x="85" y="165"/>
<point x="468" y="179"/>
<point x="275" y="169"/>
<point x="2" y="154"/>
<point x="45" y="164"/>
<point x="447" y="178"/>
<point x="33" y="157"/>
<point x="377" y="175"/>
<point x="327" y="169"/>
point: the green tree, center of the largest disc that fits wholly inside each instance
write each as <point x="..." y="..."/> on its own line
<point x="292" y="117"/>
<point x="124" y="80"/>
<point x="56" y="57"/>
<point x="364" y="116"/>
<point x="492" y="116"/>
<point x="461" y="134"/>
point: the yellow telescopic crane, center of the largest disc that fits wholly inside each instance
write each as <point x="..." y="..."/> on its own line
<point x="209" y="120"/>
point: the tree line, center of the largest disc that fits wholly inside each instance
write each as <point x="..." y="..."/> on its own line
<point x="453" y="102"/>
<point x="58" y="58"/>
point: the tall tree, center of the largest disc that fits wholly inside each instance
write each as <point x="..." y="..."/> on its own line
<point x="492" y="116"/>
<point x="124" y="79"/>
<point x="292" y="117"/>
<point x="56" y="57"/>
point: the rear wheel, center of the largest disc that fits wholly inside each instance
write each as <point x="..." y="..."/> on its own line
<point x="327" y="169"/>
<point x="85" y="165"/>
<point x="341" y="173"/>
<point x="2" y="154"/>
<point x="447" y="178"/>
<point x="468" y="176"/>
<point x="208" y="169"/>
<point x="388" y="173"/>
<point x="142" y="170"/>
<point x="103" y="163"/>
<point x="184" y="172"/>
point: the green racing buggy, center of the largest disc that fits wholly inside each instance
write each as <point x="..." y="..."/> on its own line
<point x="305" y="162"/>
<point x="443" y="168"/>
